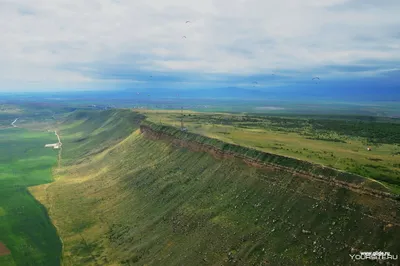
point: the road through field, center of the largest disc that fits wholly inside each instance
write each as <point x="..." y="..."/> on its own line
<point x="59" y="140"/>
<point x="60" y="148"/>
<point x="13" y="123"/>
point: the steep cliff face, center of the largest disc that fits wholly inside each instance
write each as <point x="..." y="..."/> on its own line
<point x="155" y="198"/>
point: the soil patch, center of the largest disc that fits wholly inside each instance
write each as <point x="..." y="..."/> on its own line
<point x="4" y="250"/>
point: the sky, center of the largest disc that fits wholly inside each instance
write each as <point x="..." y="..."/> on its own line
<point x="116" y="44"/>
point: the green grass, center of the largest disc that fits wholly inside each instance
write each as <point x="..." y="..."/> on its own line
<point x="24" y="225"/>
<point x="144" y="202"/>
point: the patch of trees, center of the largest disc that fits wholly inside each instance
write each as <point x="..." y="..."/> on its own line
<point x="374" y="132"/>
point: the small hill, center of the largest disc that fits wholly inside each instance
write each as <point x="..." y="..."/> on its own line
<point x="123" y="198"/>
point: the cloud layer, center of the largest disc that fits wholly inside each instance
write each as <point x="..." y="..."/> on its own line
<point x="114" y="43"/>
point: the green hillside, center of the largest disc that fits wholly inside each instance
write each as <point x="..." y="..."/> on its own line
<point x="122" y="199"/>
<point x="89" y="132"/>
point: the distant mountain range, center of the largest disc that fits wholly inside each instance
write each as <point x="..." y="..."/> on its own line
<point x="335" y="91"/>
<point x="338" y="93"/>
<point x="228" y="92"/>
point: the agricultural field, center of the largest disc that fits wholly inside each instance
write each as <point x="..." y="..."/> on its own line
<point x="9" y="109"/>
<point x="27" y="237"/>
<point x="337" y="141"/>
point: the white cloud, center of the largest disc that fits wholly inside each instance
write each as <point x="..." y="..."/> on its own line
<point x="39" y="38"/>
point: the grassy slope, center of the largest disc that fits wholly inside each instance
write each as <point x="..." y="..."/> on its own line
<point x="89" y="132"/>
<point x="143" y="202"/>
<point x="349" y="155"/>
<point x="24" y="225"/>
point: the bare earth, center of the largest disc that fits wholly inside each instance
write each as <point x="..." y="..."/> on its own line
<point x="3" y="250"/>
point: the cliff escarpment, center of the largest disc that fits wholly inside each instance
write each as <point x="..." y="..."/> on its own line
<point x="265" y="160"/>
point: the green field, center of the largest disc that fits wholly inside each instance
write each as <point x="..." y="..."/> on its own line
<point x="25" y="227"/>
<point x="128" y="200"/>
<point x="337" y="141"/>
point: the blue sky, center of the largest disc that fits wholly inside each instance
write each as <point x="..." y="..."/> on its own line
<point x="115" y="44"/>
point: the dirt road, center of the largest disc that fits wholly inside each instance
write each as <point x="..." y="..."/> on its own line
<point x="59" y="140"/>
<point x="60" y="148"/>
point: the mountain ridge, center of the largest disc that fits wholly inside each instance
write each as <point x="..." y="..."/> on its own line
<point x="140" y="201"/>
